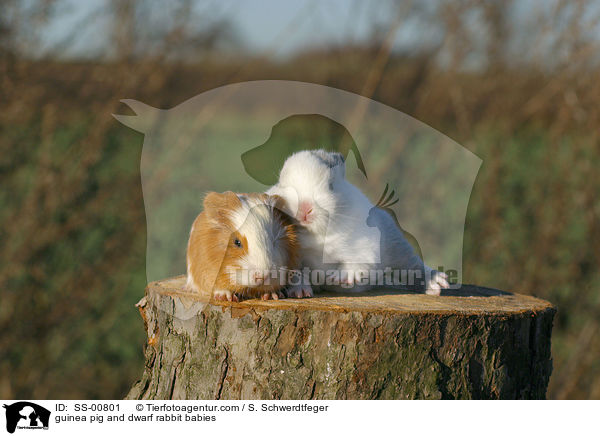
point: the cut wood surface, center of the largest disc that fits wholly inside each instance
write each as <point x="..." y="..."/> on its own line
<point x="472" y="342"/>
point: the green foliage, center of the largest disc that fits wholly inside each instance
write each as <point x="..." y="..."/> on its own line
<point x="72" y="273"/>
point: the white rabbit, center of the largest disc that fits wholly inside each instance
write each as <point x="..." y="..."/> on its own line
<point x="341" y="229"/>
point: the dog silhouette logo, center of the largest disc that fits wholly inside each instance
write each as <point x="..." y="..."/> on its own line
<point x="296" y="133"/>
<point x="237" y="138"/>
<point x="26" y="415"/>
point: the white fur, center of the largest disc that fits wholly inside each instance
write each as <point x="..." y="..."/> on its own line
<point x="263" y="231"/>
<point x="339" y="232"/>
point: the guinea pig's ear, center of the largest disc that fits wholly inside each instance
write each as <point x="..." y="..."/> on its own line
<point x="281" y="208"/>
<point x="227" y="200"/>
<point x="278" y="202"/>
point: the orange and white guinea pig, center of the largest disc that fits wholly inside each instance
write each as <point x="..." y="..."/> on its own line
<point x="241" y="245"/>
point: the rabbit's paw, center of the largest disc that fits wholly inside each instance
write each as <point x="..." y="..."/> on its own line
<point x="436" y="282"/>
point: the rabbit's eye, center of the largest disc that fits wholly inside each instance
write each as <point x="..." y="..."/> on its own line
<point x="237" y="243"/>
<point x="330" y="186"/>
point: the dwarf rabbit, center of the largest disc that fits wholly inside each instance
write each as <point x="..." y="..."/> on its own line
<point x="338" y="226"/>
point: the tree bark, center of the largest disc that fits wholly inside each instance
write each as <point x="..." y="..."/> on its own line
<point x="470" y="343"/>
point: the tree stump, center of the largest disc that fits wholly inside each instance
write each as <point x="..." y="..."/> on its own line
<point x="468" y="343"/>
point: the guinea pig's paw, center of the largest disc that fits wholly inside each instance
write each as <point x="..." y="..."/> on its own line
<point x="433" y="290"/>
<point x="272" y="295"/>
<point x="300" y="291"/>
<point x="224" y="295"/>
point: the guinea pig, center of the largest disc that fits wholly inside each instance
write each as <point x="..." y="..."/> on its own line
<point x="241" y="245"/>
<point x="339" y="225"/>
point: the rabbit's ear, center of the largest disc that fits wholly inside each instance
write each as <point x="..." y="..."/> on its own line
<point x="144" y="119"/>
<point x="330" y="158"/>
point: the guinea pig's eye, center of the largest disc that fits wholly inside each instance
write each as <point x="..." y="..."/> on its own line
<point x="237" y="243"/>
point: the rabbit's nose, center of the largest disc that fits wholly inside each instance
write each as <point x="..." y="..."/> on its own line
<point x="305" y="211"/>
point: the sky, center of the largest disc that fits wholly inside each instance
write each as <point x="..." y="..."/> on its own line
<point x="82" y="28"/>
<point x="78" y="27"/>
<point x="260" y="26"/>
